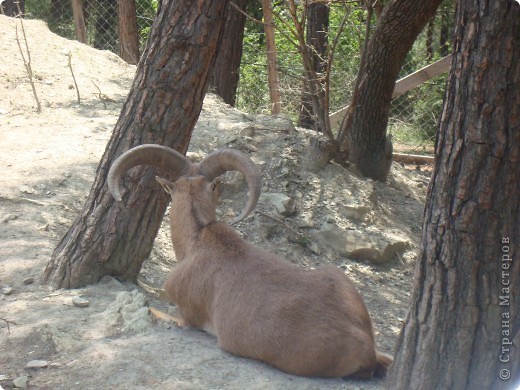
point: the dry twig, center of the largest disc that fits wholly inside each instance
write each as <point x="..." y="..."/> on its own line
<point x="27" y="62"/>
<point x="278" y="220"/>
<point x="7" y="323"/>
<point x="101" y="96"/>
<point x="69" y="55"/>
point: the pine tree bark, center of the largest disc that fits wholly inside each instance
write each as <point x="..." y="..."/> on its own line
<point x="227" y="67"/>
<point x="463" y="327"/>
<point x="317" y="40"/>
<point x="128" y="34"/>
<point x="396" y="31"/>
<point x="162" y="107"/>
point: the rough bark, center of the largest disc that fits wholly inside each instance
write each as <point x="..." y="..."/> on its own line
<point x="393" y="37"/>
<point x="272" y="65"/>
<point x="128" y="33"/>
<point x="162" y="107"/>
<point x="463" y="327"/>
<point x="317" y="41"/>
<point x="227" y="67"/>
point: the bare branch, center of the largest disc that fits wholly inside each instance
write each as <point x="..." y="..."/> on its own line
<point x="27" y="61"/>
<point x="69" y="55"/>
<point x="7" y="323"/>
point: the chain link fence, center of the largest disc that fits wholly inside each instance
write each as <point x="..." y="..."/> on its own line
<point x="100" y="17"/>
<point x="413" y="115"/>
<point x="413" y="118"/>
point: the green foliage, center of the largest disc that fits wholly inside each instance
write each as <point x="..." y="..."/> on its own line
<point x="100" y="17"/>
<point x="252" y="90"/>
<point x="146" y="11"/>
<point x="57" y="14"/>
<point x="253" y="93"/>
<point x="413" y="115"/>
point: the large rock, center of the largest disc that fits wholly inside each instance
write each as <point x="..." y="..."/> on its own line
<point x="360" y="246"/>
<point x="279" y="123"/>
<point x="63" y="340"/>
<point x="128" y="313"/>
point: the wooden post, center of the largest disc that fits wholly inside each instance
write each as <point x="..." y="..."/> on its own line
<point x="422" y="75"/>
<point x="128" y="34"/>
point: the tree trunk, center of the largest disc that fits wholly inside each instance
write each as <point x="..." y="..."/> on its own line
<point x="272" y="66"/>
<point x="463" y="327"/>
<point x="395" y="33"/>
<point x="13" y="8"/>
<point x="227" y="66"/>
<point x="317" y="41"/>
<point x="79" y="21"/>
<point x="128" y="34"/>
<point x="162" y="108"/>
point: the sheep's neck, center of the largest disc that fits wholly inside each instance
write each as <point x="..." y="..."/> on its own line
<point x="187" y="219"/>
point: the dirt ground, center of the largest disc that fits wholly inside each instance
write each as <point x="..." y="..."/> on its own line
<point x="48" y="162"/>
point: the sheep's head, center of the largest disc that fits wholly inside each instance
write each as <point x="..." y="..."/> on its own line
<point x="195" y="190"/>
<point x="180" y="169"/>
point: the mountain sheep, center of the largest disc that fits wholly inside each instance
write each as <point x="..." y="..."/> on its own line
<point x="257" y="304"/>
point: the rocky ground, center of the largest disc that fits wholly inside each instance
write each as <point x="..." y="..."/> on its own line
<point x="103" y="336"/>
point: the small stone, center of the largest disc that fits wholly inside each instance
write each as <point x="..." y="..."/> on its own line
<point x="7" y="290"/>
<point x="356" y="212"/>
<point x="28" y="281"/>
<point x="21" y="382"/>
<point x="9" y="218"/>
<point x="248" y="131"/>
<point x="314" y="248"/>
<point x="306" y="221"/>
<point x="3" y="377"/>
<point x="80" y="302"/>
<point x="37" y="364"/>
<point x="26" y="189"/>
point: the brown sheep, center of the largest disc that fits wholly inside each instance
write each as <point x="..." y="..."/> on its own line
<point x="257" y="304"/>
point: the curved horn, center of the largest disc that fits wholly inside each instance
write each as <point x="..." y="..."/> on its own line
<point x="162" y="157"/>
<point x="223" y="160"/>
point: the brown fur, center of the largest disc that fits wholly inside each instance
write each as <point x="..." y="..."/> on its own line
<point x="258" y="305"/>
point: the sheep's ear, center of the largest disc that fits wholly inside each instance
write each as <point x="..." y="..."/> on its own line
<point x="215" y="184"/>
<point x="167" y="185"/>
